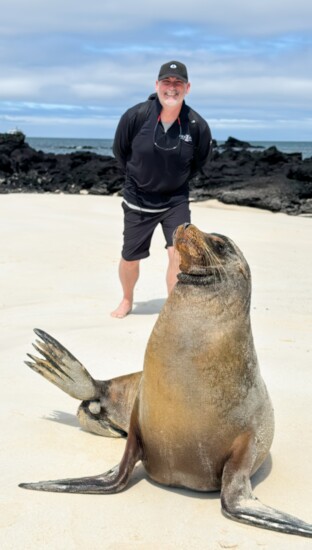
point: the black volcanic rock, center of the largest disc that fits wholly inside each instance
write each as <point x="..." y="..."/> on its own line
<point x="234" y="142"/>
<point x="237" y="174"/>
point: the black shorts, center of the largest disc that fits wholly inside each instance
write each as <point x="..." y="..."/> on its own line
<point x="139" y="228"/>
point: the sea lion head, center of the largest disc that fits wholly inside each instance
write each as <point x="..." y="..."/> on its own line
<point x="211" y="259"/>
<point x="94" y="417"/>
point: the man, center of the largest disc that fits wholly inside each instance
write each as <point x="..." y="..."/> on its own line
<point x="159" y="158"/>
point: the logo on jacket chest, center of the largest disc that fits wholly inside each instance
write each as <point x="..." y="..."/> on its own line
<point x="186" y="137"/>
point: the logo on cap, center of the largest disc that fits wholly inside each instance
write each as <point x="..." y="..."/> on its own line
<point x="173" y="66"/>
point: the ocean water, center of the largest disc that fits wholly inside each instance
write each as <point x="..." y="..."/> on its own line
<point x="104" y="146"/>
<point x="71" y="145"/>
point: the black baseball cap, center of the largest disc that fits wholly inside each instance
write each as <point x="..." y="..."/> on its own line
<point x="173" y="68"/>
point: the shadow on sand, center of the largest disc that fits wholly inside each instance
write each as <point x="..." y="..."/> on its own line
<point x="148" y="308"/>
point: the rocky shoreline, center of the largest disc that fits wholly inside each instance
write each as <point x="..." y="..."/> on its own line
<point x="237" y="174"/>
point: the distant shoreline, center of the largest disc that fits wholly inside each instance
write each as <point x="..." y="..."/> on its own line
<point x="104" y="146"/>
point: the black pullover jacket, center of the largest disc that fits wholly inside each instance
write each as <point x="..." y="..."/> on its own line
<point x="157" y="164"/>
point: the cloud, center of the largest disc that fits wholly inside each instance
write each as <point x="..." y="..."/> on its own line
<point x="249" y="18"/>
<point x="71" y="61"/>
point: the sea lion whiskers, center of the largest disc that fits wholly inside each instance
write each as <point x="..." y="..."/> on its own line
<point x="214" y="258"/>
<point x="204" y="251"/>
<point x="211" y="257"/>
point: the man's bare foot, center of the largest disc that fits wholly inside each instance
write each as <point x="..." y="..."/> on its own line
<point x="124" y="308"/>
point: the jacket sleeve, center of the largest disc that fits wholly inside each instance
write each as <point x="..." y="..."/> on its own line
<point x="203" y="150"/>
<point x="122" y="141"/>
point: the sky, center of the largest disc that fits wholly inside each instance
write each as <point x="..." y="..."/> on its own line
<point x="70" y="68"/>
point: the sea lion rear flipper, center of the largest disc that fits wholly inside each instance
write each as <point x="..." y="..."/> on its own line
<point x="113" y="481"/>
<point x="238" y="502"/>
<point x="61" y="368"/>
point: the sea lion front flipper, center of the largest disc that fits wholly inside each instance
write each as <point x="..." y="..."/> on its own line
<point x="61" y="368"/>
<point x="238" y="502"/>
<point x="113" y="481"/>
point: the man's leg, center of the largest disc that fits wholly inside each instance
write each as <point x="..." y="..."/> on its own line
<point x="128" y="274"/>
<point x="173" y="268"/>
<point x="172" y="219"/>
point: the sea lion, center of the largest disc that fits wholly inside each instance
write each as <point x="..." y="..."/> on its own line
<point x="199" y="416"/>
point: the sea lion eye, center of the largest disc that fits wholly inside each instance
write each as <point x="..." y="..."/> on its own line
<point x="220" y="247"/>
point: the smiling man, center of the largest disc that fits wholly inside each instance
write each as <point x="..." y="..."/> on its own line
<point x="160" y="144"/>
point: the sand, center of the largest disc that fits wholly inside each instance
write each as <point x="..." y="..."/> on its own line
<point x="59" y="260"/>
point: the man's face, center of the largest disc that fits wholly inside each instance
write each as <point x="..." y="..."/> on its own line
<point x="171" y="91"/>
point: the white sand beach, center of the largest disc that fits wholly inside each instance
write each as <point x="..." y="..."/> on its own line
<point x="59" y="261"/>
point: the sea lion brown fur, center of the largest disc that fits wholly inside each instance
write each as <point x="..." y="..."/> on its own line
<point x="199" y="416"/>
